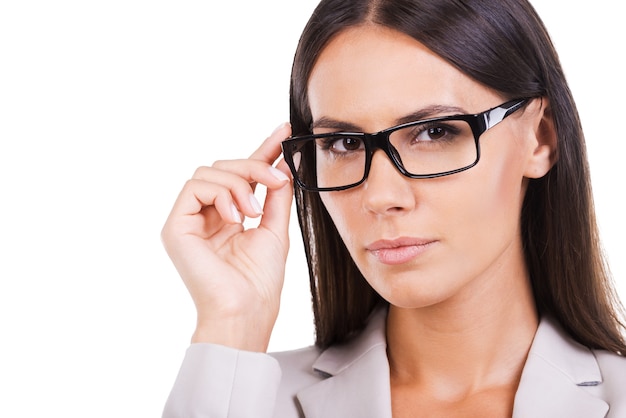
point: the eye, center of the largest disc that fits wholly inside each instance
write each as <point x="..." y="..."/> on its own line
<point x="341" y="145"/>
<point x="346" y="144"/>
<point x="432" y="133"/>
<point x="435" y="132"/>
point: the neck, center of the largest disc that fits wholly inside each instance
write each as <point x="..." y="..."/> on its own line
<point x="466" y="344"/>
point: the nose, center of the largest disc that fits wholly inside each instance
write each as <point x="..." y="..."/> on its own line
<point x="386" y="191"/>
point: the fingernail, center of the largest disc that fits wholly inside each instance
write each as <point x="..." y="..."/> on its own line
<point x="235" y="212"/>
<point x="278" y="174"/>
<point x="256" y="205"/>
<point x="279" y="127"/>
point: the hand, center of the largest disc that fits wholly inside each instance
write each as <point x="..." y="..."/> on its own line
<point x="234" y="276"/>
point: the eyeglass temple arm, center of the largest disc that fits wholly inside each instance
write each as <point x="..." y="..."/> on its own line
<point x="496" y="115"/>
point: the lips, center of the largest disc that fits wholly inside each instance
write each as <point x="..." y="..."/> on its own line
<point x="399" y="251"/>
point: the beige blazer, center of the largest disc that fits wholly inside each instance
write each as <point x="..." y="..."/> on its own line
<point x="560" y="379"/>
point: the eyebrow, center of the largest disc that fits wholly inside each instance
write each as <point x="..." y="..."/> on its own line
<point x="326" y="122"/>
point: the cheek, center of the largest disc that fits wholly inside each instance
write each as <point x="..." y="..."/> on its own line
<point x="344" y="209"/>
<point x="505" y="179"/>
<point x="492" y="195"/>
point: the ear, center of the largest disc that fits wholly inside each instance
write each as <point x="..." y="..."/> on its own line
<point x="543" y="139"/>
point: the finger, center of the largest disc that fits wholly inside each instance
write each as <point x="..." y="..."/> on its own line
<point x="231" y="181"/>
<point x="241" y="178"/>
<point x="197" y="195"/>
<point x="277" y="209"/>
<point x="250" y="171"/>
<point x="270" y="148"/>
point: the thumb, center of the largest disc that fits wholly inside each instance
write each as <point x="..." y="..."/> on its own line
<point x="277" y="209"/>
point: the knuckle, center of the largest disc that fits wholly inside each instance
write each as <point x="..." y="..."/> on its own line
<point x="190" y="184"/>
<point x="222" y="164"/>
<point x="168" y="236"/>
<point x="200" y="172"/>
<point x="165" y="235"/>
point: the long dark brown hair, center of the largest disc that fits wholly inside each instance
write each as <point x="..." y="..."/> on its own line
<point x="504" y="45"/>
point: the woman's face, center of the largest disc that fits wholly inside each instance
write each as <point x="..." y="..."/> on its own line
<point x="420" y="242"/>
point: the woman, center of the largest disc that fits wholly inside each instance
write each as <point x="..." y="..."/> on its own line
<point x="454" y="259"/>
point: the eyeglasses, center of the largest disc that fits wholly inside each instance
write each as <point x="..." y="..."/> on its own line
<point x="422" y="149"/>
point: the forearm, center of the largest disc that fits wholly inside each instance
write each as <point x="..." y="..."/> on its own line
<point x="221" y="382"/>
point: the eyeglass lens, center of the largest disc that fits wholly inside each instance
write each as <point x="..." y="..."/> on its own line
<point x="421" y="149"/>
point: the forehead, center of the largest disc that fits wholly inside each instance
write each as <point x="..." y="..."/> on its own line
<point x="370" y="75"/>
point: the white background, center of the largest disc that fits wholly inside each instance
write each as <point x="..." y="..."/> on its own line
<point x="106" y="108"/>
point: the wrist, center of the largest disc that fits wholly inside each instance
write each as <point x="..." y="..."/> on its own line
<point x="242" y="333"/>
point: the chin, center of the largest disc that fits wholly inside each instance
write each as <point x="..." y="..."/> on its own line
<point x="414" y="295"/>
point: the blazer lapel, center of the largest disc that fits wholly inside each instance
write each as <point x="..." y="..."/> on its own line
<point x="358" y="377"/>
<point x="559" y="378"/>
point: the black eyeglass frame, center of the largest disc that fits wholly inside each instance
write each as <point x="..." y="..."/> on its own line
<point x="479" y="124"/>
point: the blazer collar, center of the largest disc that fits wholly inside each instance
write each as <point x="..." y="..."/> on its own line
<point x="358" y="377"/>
<point x="558" y="379"/>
